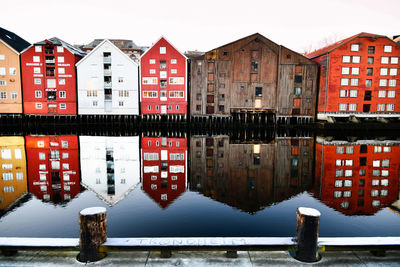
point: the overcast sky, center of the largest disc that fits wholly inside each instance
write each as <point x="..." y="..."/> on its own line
<point x="200" y="25"/>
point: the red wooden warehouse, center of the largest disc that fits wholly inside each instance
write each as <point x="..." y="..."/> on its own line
<point x="53" y="167"/>
<point x="359" y="77"/>
<point x="357" y="178"/>
<point x="49" y="78"/>
<point x="164" y="168"/>
<point x="163" y="80"/>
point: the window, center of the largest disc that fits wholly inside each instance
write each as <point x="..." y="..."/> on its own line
<point x="55" y="165"/>
<point x="2" y="57"/>
<point x="60" y="49"/>
<point x="353" y="93"/>
<point x="376" y="163"/>
<point x="348" y="173"/>
<point x="176" y="80"/>
<point x="370" y="60"/>
<point x="356" y="59"/>
<point x="370" y="71"/>
<point x="163" y="50"/>
<point x="381" y="93"/>
<point x="254" y="66"/>
<point x="344" y="81"/>
<point x="339" y="173"/>
<point x="12" y="71"/>
<point x="64" y="144"/>
<point x="384" y="60"/>
<point x="342" y="107"/>
<point x="62" y="94"/>
<point x="152" y="61"/>
<point x="173" y="61"/>
<point x="36" y="59"/>
<point x="120" y="103"/>
<point x="387" y="149"/>
<point x="352" y="107"/>
<point x="375" y="173"/>
<point x="61" y="81"/>
<point x="61" y="70"/>
<point x="36" y="70"/>
<point x="375" y="182"/>
<point x="297" y="90"/>
<point x="38" y="105"/>
<point x="349" y="150"/>
<point x="385" y="163"/>
<point x="7" y="176"/>
<point x="393" y="72"/>
<point x="176" y="94"/>
<point x="65" y="155"/>
<point x="389" y="107"/>
<point x="355" y="47"/>
<point x="380" y="107"/>
<point x="348" y="183"/>
<point x="338" y="183"/>
<point x="51" y="83"/>
<point x="258" y="91"/>
<point x="37" y="81"/>
<point x="354" y="82"/>
<point x="149" y="80"/>
<point x="392" y="82"/>
<point x="296" y="102"/>
<point x="63" y="106"/>
<point x="120" y="79"/>
<point x="60" y="59"/>
<point x="384" y="71"/>
<point x="344" y="93"/>
<point x="347" y="194"/>
<point x="149" y="94"/>
<point x="391" y="94"/>
<point x="355" y="71"/>
<point x="3" y="95"/>
<point x="384" y="182"/>
<point x="368" y="83"/>
<point x="340" y="150"/>
<point x="387" y="48"/>
<point x="337" y="194"/>
<point x="394" y="60"/>
<point x="371" y="49"/>
<point x="382" y="82"/>
<point x="374" y="193"/>
<point x="65" y="166"/>
<point x="346" y="59"/>
<point x="344" y="205"/>
<point x="174" y="71"/>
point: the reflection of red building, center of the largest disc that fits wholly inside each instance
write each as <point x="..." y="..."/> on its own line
<point x="164" y="168"/>
<point x="357" y="177"/>
<point x="53" y="167"/>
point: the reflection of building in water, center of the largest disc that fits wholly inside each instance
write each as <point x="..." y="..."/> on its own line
<point x="53" y="166"/>
<point x="13" y="183"/>
<point x="164" y="165"/>
<point x="250" y="176"/>
<point x="110" y="166"/>
<point x="357" y="177"/>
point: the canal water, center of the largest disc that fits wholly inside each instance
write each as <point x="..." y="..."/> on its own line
<point x="205" y="185"/>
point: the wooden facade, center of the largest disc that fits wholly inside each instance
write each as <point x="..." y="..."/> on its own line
<point x="253" y="75"/>
<point x="10" y="72"/>
<point x="49" y="78"/>
<point x="359" y="77"/>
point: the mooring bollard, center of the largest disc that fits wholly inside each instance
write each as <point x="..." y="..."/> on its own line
<point x="92" y="233"/>
<point x="307" y="227"/>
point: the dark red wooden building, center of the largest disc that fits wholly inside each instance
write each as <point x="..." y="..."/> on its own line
<point x="164" y="168"/>
<point x="53" y="167"/>
<point x="359" y="77"/>
<point x="357" y="178"/>
<point x="163" y="80"/>
<point x="49" y="78"/>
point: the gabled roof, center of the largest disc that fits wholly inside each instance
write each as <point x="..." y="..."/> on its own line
<point x="120" y="43"/>
<point x="334" y="46"/>
<point x="57" y="41"/>
<point x="99" y="45"/>
<point x="13" y="40"/>
<point x="162" y="37"/>
<point x="251" y="36"/>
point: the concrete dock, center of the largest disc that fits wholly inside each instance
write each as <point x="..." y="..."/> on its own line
<point x="196" y="258"/>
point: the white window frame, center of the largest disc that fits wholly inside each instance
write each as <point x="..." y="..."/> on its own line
<point x="163" y="50"/>
<point x="344" y="81"/>
<point x="381" y="93"/>
<point x="345" y="70"/>
<point x="393" y="72"/>
<point x="60" y="59"/>
<point x="394" y="60"/>
<point x="355" y="71"/>
<point x="391" y="94"/>
<point x="356" y="59"/>
<point x="383" y="71"/>
<point x="354" y="47"/>
<point x="36" y="59"/>
<point x="346" y="59"/>
<point x="38" y="48"/>
<point x="387" y="48"/>
<point x="384" y="60"/>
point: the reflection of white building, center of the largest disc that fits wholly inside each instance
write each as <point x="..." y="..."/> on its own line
<point x="107" y="82"/>
<point x="110" y="166"/>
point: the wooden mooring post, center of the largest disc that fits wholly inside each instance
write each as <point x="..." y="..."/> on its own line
<point x="307" y="227"/>
<point x="92" y="233"/>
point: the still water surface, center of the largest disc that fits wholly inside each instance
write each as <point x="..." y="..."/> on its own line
<point x="198" y="185"/>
